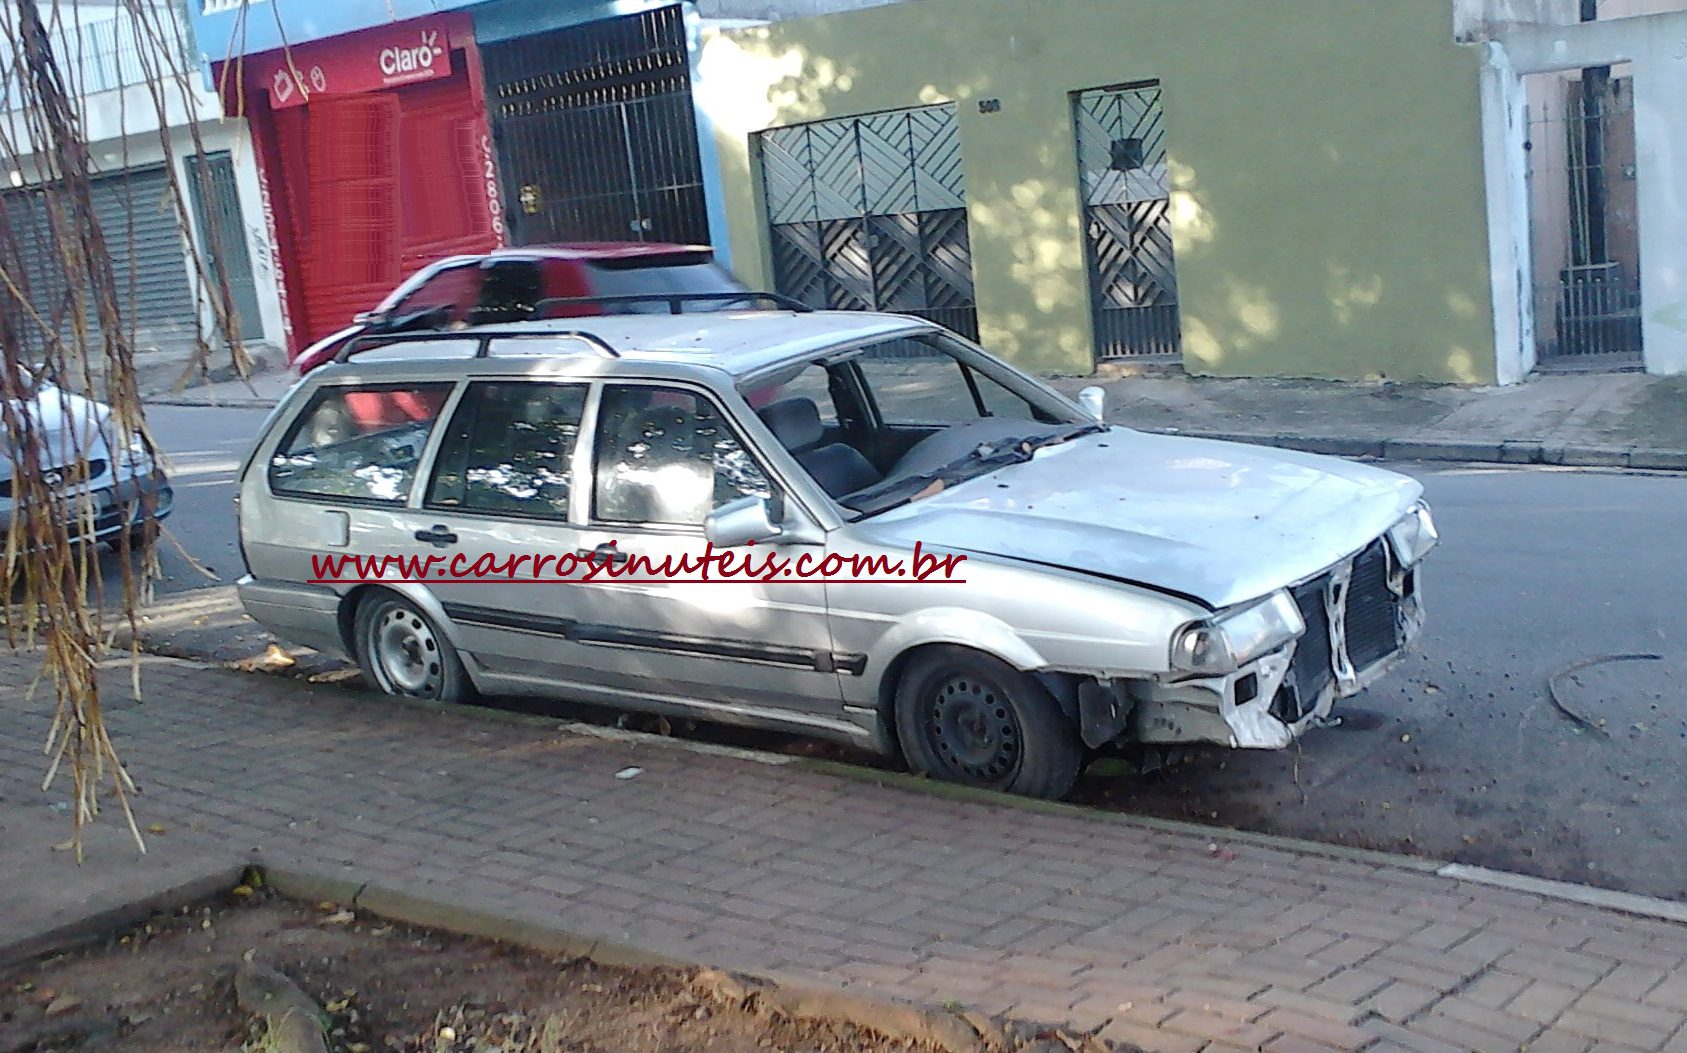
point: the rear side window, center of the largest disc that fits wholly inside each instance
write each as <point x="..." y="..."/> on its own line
<point x="660" y="279"/>
<point x="507" y="450"/>
<point x="358" y="444"/>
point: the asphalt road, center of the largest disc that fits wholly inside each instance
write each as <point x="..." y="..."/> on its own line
<point x="1458" y="755"/>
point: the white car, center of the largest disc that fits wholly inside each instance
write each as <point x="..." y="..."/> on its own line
<point x="104" y="488"/>
<point x="1110" y="586"/>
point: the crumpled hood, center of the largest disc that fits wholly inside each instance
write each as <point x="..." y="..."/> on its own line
<point x="1218" y="521"/>
<point x="65" y="424"/>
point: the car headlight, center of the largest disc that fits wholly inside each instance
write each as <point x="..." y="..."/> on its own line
<point x="1232" y="640"/>
<point x="1414" y="535"/>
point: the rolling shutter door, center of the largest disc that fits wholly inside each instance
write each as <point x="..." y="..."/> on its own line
<point x="137" y="214"/>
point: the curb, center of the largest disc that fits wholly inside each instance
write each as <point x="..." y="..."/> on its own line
<point x="1564" y="891"/>
<point x="941" y="1028"/>
<point x="102" y="924"/>
<point x="1508" y="451"/>
<point x="239" y="403"/>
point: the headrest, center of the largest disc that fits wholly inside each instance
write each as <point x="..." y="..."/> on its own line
<point x="794" y="422"/>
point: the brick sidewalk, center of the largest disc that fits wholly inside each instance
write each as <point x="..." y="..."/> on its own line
<point x="789" y="871"/>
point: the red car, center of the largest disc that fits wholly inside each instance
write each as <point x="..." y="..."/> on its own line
<point x="511" y="285"/>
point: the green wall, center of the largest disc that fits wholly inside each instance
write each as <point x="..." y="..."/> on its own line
<point x="1326" y="155"/>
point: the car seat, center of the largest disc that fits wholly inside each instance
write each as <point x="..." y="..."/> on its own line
<point x="839" y="468"/>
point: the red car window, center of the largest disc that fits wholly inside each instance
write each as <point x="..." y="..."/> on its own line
<point x="565" y="279"/>
<point x="374" y="410"/>
<point x="456" y="289"/>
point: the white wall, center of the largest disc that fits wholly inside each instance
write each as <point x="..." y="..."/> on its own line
<point x="122" y="129"/>
<point x="1478" y="20"/>
<point x="1653" y="44"/>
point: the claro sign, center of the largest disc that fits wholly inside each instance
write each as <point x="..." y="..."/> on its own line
<point x="400" y="64"/>
<point x="369" y="61"/>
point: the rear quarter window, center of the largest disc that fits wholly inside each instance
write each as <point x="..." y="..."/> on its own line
<point x="360" y="444"/>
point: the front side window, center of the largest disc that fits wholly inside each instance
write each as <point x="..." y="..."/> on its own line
<point x="918" y="381"/>
<point x="665" y="456"/>
<point x="358" y="443"/>
<point x="508" y="448"/>
<point x="510" y="291"/>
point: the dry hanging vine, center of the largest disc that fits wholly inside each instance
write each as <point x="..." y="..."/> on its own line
<point x="67" y="332"/>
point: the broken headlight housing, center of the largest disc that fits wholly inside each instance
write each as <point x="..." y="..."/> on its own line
<point x="1230" y="641"/>
<point x="1414" y="535"/>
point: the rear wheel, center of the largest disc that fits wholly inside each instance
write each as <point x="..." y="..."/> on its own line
<point x="401" y="652"/>
<point x="967" y="717"/>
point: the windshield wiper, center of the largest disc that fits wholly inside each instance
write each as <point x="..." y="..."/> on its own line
<point x="982" y="459"/>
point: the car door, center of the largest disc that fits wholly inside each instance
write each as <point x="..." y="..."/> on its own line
<point x="663" y="457"/>
<point x="496" y="514"/>
<point x="340" y="477"/>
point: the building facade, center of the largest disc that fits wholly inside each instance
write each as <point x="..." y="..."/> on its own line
<point x="392" y="134"/>
<point x="1318" y="189"/>
<point x="145" y="127"/>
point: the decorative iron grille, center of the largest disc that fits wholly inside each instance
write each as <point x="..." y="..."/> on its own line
<point x="1127" y="221"/>
<point x="869" y="213"/>
<point x="597" y="138"/>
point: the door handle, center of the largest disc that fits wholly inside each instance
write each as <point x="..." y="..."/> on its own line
<point x="439" y="536"/>
<point x="606" y="551"/>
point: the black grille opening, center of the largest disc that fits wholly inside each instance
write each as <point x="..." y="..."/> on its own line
<point x="1372" y="622"/>
<point x="1312" y="668"/>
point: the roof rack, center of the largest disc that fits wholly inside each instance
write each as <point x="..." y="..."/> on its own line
<point x="676" y="301"/>
<point x="483" y="340"/>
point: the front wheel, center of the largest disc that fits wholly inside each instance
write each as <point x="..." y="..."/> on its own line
<point x="967" y="717"/>
<point x="401" y="652"/>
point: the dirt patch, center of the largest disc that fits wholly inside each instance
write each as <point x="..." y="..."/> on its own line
<point x="376" y="986"/>
<point x="168" y="988"/>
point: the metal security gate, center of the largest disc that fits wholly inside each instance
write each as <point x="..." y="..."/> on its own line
<point x="1127" y="221"/>
<point x="222" y="237"/>
<point x="597" y="140"/>
<point x="137" y="215"/>
<point x="1584" y="220"/>
<point x="869" y="213"/>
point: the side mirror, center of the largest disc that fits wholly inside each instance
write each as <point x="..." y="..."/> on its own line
<point x="743" y="521"/>
<point x="1093" y="400"/>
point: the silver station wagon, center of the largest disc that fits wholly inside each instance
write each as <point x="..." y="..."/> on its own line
<point x="937" y="554"/>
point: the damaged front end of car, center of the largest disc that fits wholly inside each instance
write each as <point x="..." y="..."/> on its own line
<point x="1259" y="675"/>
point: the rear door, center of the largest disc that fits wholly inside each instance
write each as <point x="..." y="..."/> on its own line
<point x="497" y="508"/>
<point x="339" y="480"/>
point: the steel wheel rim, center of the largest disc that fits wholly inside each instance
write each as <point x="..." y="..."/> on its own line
<point x="405" y="653"/>
<point x="973" y="730"/>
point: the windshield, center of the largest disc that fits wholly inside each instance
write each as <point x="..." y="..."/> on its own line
<point x="883" y="424"/>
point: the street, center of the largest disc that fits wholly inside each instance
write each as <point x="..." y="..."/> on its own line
<point x="1459" y="754"/>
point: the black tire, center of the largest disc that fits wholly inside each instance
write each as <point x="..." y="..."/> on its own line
<point x="967" y="717"/>
<point x="402" y="652"/>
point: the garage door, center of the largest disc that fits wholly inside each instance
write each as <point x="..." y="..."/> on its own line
<point x="137" y="214"/>
<point x="869" y="213"/>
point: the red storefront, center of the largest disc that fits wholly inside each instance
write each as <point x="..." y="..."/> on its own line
<point x="376" y="158"/>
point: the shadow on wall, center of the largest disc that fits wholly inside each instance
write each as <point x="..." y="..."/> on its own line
<point x="1257" y="296"/>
